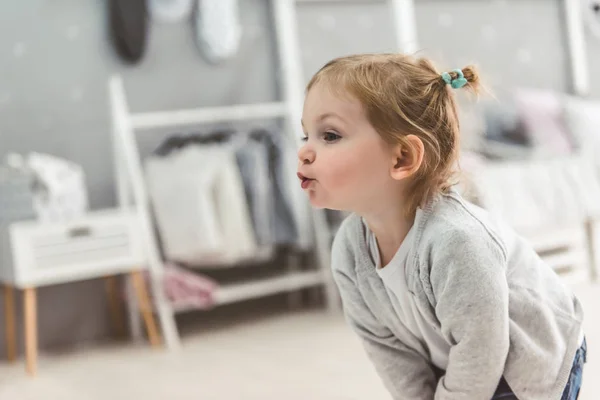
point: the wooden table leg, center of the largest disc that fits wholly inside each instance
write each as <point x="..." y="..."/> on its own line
<point x="9" y="321"/>
<point x="294" y="298"/>
<point x="145" y="305"/>
<point x="31" y="340"/>
<point x="114" y="303"/>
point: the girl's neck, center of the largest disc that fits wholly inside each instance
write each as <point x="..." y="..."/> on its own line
<point x="390" y="226"/>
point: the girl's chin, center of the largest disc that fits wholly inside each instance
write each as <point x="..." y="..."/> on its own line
<point x="316" y="201"/>
<point x="320" y="203"/>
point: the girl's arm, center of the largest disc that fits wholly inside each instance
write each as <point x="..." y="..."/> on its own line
<point x="403" y="371"/>
<point x="468" y="279"/>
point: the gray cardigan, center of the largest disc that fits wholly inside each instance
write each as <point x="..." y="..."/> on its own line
<point x="500" y="308"/>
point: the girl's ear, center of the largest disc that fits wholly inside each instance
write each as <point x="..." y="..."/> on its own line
<point x="407" y="158"/>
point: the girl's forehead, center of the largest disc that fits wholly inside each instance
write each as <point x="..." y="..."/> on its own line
<point x="322" y="99"/>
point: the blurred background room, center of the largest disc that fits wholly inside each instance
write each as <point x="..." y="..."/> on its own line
<point x="154" y="240"/>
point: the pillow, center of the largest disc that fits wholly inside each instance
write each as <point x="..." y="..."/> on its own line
<point x="502" y="123"/>
<point x="541" y="113"/>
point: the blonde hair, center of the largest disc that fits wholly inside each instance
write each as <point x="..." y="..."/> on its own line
<point x="403" y="95"/>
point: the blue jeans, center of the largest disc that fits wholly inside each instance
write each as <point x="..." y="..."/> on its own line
<point x="571" y="392"/>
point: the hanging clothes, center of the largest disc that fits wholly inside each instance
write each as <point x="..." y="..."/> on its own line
<point x="294" y="220"/>
<point x="218" y="29"/>
<point x="260" y="161"/>
<point x="128" y="28"/>
<point x="199" y="203"/>
<point x="264" y="161"/>
<point x="185" y="194"/>
<point x="179" y="141"/>
<point x="252" y="160"/>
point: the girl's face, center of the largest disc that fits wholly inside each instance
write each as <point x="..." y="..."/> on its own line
<point x="344" y="163"/>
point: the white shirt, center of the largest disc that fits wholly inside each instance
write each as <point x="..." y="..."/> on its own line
<point x="394" y="278"/>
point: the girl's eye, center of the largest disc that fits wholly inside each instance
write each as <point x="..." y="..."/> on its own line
<point x="331" y="136"/>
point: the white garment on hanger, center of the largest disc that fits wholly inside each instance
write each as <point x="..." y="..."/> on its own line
<point x="199" y="202"/>
<point x="218" y="29"/>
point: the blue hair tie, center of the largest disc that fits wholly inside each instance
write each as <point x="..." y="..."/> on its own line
<point x="456" y="83"/>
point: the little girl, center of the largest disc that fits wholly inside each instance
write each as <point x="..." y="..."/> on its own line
<point x="449" y="303"/>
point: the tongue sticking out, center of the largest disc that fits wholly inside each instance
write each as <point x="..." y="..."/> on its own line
<point x="306" y="182"/>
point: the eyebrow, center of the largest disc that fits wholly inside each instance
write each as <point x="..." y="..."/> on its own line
<point x="330" y="114"/>
<point x="325" y="116"/>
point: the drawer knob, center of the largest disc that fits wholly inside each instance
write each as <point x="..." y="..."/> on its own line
<point x="80" y="231"/>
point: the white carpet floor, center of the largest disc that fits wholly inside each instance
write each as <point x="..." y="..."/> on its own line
<point x="292" y="356"/>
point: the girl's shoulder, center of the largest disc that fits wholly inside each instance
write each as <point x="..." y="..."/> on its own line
<point x="459" y="248"/>
<point x="450" y="225"/>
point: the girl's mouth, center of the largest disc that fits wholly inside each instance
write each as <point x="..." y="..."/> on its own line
<point x="304" y="181"/>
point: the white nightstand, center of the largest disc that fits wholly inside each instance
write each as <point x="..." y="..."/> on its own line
<point x="101" y="244"/>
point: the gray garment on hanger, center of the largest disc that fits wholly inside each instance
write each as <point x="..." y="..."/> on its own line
<point x="261" y="160"/>
<point x="253" y="165"/>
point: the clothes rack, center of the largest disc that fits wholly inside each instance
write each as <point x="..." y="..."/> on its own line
<point x="132" y="192"/>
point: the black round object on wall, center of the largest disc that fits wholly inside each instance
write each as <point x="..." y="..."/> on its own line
<point x="129" y="28"/>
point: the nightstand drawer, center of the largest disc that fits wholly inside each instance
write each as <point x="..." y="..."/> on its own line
<point x="78" y="244"/>
<point x="98" y="244"/>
